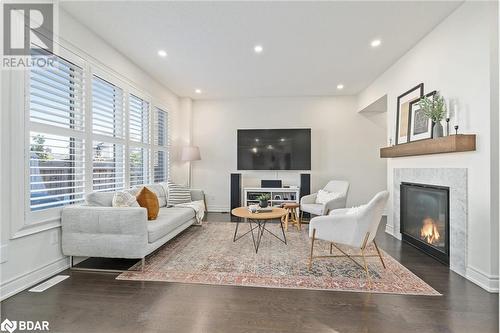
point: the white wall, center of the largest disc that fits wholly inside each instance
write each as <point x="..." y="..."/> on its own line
<point x="458" y="58"/>
<point x="36" y="256"/>
<point x="344" y="143"/>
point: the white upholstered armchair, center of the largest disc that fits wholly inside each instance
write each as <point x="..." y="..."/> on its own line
<point x="308" y="203"/>
<point x="355" y="227"/>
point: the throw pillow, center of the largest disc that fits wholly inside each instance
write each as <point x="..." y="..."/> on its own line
<point x="149" y="200"/>
<point x="178" y="194"/>
<point x="124" y="199"/>
<point x="324" y="196"/>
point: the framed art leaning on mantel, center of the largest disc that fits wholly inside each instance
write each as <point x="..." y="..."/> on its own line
<point x="403" y="112"/>
<point x="420" y="125"/>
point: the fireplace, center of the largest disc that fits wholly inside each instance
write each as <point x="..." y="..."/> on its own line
<point x="425" y="221"/>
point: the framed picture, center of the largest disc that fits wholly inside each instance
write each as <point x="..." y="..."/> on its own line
<point x="420" y="125"/>
<point x="403" y="112"/>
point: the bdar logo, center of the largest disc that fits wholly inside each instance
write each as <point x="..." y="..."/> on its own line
<point x="8" y="326"/>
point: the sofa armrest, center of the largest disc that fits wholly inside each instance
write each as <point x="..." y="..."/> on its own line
<point x="308" y="199"/>
<point x="110" y="232"/>
<point x="197" y="195"/>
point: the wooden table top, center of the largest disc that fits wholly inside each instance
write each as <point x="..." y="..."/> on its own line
<point x="243" y="212"/>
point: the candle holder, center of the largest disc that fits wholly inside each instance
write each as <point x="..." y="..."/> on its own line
<point x="456" y="129"/>
<point x="448" y="126"/>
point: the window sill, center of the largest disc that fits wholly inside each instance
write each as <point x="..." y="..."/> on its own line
<point x="35" y="228"/>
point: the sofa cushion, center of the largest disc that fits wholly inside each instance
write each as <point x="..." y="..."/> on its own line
<point x="168" y="219"/>
<point x="149" y="200"/>
<point x="100" y="199"/>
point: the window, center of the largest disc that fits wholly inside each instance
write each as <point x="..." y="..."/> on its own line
<point x="161" y="159"/>
<point x="138" y="166"/>
<point x="138" y="119"/>
<point x="107" y="108"/>
<point x="108" y="152"/>
<point x="56" y="144"/>
<point x="76" y="146"/>
<point x="108" y="167"/>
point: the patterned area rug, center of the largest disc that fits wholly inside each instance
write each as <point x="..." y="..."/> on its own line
<point x="208" y="255"/>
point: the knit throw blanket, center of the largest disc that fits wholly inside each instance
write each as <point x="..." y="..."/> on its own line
<point x="198" y="207"/>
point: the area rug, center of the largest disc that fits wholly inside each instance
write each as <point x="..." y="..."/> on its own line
<point x="208" y="255"/>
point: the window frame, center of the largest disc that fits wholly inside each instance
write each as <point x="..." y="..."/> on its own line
<point x="23" y="222"/>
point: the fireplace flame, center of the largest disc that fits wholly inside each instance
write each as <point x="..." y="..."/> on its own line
<point x="429" y="231"/>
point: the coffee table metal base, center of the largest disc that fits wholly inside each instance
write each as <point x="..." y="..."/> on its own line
<point x="261" y="226"/>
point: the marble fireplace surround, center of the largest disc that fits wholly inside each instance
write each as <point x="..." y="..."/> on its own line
<point x="456" y="180"/>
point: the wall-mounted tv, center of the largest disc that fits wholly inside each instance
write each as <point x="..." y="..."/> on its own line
<point x="274" y="149"/>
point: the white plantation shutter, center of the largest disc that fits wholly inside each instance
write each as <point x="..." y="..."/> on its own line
<point x="56" y="95"/>
<point x="138" y="166"/>
<point x="138" y="119"/>
<point x="56" y="144"/>
<point x="108" y="166"/>
<point x="107" y="108"/>
<point x="161" y="143"/>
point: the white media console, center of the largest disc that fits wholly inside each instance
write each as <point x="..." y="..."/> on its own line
<point x="278" y="195"/>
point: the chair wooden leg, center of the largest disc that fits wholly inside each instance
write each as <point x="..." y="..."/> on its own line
<point x="366" y="267"/>
<point x="299" y="219"/>
<point x="312" y="247"/>
<point x="286" y="219"/>
<point x="379" y="254"/>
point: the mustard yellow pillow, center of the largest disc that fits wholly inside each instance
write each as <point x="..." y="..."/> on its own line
<point x="149" y="200"/>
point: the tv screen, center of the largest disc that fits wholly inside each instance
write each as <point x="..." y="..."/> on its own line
<point x="274" y="149"/>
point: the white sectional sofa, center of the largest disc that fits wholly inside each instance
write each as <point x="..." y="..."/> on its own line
<point x="96" y="229"/>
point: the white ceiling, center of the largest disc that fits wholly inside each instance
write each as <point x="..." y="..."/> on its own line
<point x="309" y="47"/>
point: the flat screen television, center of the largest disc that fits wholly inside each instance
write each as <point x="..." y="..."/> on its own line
<point x="274" y="149"/>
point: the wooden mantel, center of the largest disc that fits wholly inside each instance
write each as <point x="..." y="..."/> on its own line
<point x="445" y="144"/>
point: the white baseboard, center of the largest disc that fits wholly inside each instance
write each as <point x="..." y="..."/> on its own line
<point x="218" y="209"/>
<point x="24" y="281"/>
<point x="389" y="229"/>
<point x="485" y="281"/>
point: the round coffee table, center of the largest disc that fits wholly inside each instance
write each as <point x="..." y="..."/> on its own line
<point x="258" y="221"/>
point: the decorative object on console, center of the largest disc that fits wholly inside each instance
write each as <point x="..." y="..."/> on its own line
<point x="435" y="109"/>
<point x="456" y="129"/>
<point x="189" y="154"/>
<point x="148" y="199"/>
<point x="421" y="125"/>
<point x="263" y="199"/>
<point x="403" y="112"/>
<point x="273" y="183"/>
<point x="277" y="197"/>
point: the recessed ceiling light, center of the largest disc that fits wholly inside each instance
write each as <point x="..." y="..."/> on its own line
<point x="198" y="91"/>
<point x="340" y="86"/>
<point x="162" y="53"/>
<point x="258" y="48"/>
<point x="376" y="43"/>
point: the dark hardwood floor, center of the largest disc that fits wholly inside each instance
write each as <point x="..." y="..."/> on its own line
<point x="96" y="302"/>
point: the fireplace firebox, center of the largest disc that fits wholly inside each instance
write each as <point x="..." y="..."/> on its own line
<point x="425" y="221"/>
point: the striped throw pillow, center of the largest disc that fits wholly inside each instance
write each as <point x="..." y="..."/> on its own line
<point x="177" y="194"/>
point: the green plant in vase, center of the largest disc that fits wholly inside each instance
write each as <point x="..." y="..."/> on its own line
<point x="263" y="199"/>
<point x="434" y="108"/>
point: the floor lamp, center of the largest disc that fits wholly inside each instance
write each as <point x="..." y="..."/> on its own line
<point x="189" y="154"/>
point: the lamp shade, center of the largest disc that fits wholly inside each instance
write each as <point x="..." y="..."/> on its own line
<point x="190" y="153"/>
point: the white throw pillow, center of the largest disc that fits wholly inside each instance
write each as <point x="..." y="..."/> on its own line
<point x="124" y="199"/>
<point x="324" y="196"/>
